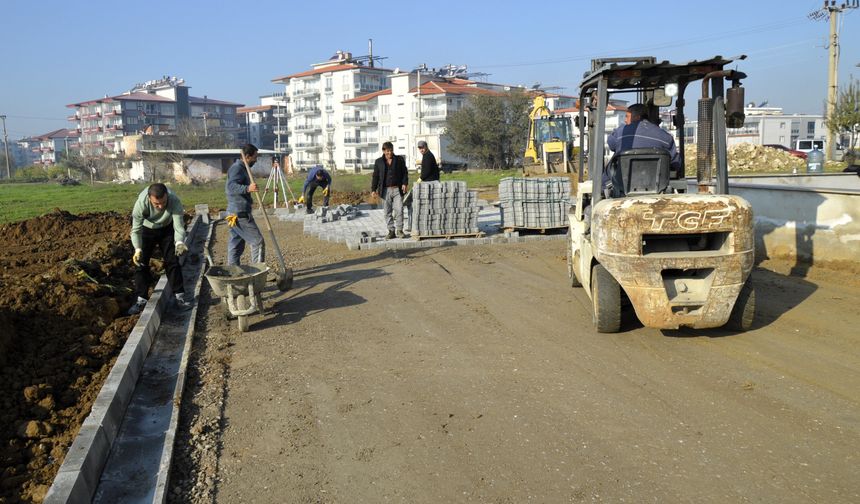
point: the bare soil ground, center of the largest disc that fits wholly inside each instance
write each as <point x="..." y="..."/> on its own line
<point x="473" y="374"/>
<point x="64" y="288"/>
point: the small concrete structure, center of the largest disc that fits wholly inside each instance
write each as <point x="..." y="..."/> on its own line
<point x="201" y="165"/>
<point x="809" y="219"/>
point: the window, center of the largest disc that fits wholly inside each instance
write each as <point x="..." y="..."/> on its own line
<point x="386" y="130"/>
<point x="782" y="125"/>
<point x="383" y="109"/>
<point x="810" y="128"/>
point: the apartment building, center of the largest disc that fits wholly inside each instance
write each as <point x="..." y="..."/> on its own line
<point x="257" y="125"/>
<point x="768" y="125"/>
<point x="48" y="149"/>
<point x="312" y="108"/>
<point x="153" y="107"/>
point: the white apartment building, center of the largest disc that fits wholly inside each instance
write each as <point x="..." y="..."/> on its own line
<point x="767" y="126"/>
<point x="152" y="107"/>
<point x="312" y="110"/>
<point x="47" y="149"/>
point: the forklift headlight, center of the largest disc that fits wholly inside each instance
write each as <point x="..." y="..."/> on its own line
<point x="671" y="89"/>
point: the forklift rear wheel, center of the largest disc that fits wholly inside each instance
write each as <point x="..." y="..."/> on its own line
<point x="606" y="300"/>
<point x="743" y="313"/>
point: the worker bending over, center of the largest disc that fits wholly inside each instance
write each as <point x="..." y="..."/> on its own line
<point x="317" y="177"/>
<point x="156" y="220"/>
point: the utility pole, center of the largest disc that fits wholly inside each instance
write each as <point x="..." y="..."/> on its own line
<point x="6" y="146"/>
<point x="205" y="126"/>
<point x="832" y="11"/>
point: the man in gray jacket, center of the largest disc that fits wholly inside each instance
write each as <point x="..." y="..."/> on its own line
<point x="243" y="228"/>
<point x="157" y="219"/>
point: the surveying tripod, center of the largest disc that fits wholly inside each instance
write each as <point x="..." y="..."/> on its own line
<point x="277" y="181"/>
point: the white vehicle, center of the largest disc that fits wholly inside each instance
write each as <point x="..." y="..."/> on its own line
<point x="808" y="145"/>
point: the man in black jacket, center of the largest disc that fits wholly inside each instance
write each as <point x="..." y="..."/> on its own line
<point x="429" y="167"/>
<point x="389" y="182"/>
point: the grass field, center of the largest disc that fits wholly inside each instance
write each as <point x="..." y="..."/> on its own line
<point x="23" y="201"/>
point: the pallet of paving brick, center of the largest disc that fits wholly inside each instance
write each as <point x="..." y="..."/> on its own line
<point x="449" y="236"/>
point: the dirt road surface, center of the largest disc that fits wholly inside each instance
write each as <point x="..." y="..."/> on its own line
<point x="473" y="374"/>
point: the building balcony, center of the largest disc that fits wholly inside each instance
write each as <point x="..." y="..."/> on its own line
<point x="94" y="115"/>
<point x="306" y="110"/>
<point x="307" y="127"/>
<point x="305" y="92"/>
<point x="283" y="113"/>
<point x="434" y="114"/>
<point x="113" y="112"/>
<point x="306" y="145"/>
<point x="46" y="149"/>
<point x="329" y="127"/>
<point x="283" y="130"/>
<point x="329" y="89"/>
<point x="360" y="140"/>
<point x="74" y="145"/>
<point x="329" y="109"/>
<point x="74" y="118"/>
<point x="359" y="120"/>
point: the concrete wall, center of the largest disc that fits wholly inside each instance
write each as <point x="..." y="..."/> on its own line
<point x="807" y="219"/>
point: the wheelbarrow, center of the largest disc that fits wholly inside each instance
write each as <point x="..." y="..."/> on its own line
<point x="240" y="289"/>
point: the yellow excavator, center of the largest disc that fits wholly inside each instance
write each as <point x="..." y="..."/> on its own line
<point x="550" y="143"/>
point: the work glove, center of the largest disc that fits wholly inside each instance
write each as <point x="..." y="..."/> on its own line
<point x="181" y="248"/>
<point x="325" y="191"/>
<point x="136" y="257"/>
<point x="301" y="199"/>
<point x="231" y="220"/>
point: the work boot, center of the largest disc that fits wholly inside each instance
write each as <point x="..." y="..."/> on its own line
<point x="390" y="234"/>
<point x="137" y="307"/>
<point x="181" y="302"/>
<point x="309" y="210"/>
<point x="400" y="234"/>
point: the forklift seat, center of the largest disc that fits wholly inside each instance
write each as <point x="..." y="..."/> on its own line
<point x="637" y="171"/>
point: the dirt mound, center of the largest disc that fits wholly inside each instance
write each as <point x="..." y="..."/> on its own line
<point x="349" y="197"/>
<point x="67" y="283"/>
<point x="750" y="158"/>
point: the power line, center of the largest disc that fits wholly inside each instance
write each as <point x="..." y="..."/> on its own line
<point x="36" y="117"/>
<point x="777" y="25"/>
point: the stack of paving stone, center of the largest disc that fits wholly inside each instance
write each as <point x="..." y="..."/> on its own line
<point x="444" y="208"/>
<point x="538" y="203"/>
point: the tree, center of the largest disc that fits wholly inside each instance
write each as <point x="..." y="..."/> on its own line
<point x="846" y="114"/>
<point x="491" y="131"/>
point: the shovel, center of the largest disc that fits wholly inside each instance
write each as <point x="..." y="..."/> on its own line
<point x="285" y="280"/>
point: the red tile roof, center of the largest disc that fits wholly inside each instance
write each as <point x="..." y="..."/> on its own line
<point x="444" y="87"/>
<point x="368" y="96"/>
<point x="142" y="97"/>
<point x="198" y="100"/>
<point x="326" y="69"/>
<point x="60" y="133"/>
<point x="131" y="96"/>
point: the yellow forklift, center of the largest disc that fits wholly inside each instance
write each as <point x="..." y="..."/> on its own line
<point x="638" y="237"/>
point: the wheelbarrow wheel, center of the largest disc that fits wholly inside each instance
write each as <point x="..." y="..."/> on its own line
<point x="226" y="307"/>
<point x="242" y="304"/>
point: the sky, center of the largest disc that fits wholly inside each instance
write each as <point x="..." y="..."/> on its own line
<point x="59" y="52"/>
